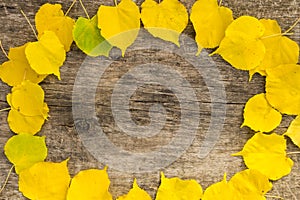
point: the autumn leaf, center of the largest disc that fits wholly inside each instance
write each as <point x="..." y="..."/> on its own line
<point x="283" y="88"/>
<point x="242" y="46"/>
<point x="259" y="115"/>
<point x="293" y="131"/>
<point x="219" y="191"/>
<point x="50" y="17"/>
<point x="27" y="98"/>
<point x="20" y="123"/>
<point x="17" y="69"/>
<point x="90" y="185"/>
<point x="165" y="20"/>
<point x="279" y="49"/>
<point x="135" y="193"/>
<point x="250" y="184"/>
<point x="45" y="181"/>
<point x="210" y="22"/>
<point x="88" y="38"/>
<point x="177" y="189"/>
<point x="119" y="24"/>
<point x="266" y="154"/>
<point x="24" y="150"/>
<point x="46" y="55"/>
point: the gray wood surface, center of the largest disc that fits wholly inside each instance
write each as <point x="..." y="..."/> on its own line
<point x="63" y="140"/>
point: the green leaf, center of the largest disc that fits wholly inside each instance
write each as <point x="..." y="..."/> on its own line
<point x="24" y="150"/>
<point x="87" y="37"/>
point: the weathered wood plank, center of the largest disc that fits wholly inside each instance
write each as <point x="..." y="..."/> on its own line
<point x="63" y="140"/>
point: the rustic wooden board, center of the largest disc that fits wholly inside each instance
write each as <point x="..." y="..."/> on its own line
<point x="63" y="140"/>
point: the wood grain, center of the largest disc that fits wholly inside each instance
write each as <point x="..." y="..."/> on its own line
<point x="63" y="141"/>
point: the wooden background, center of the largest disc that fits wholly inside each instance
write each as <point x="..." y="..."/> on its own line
<point x="63" y="141"/>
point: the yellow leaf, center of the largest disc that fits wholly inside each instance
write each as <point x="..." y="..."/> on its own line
<point x="266" y="154"/>
<point x="135" y="193"/>
<point x="293" y="131"/>
<point x="119" y="24"/>
<point x="210" y="22"/>
<point x="50" y="17"/>
<point x="17" y="69"/>
<point x="242" y="46"/>
<point x="19" y="123"/>
<point x="250" y="184"/>
<point x="283" y="88"/>
<point x="46" y="55"/>
<point x="165" y="20"/>
<point x="279" y="49"/>
<point x="259" y="115"/>
<point x="219" y="191"/>
<point x="27" y="98"/>
<point x="90" y="184"/>
<point x="45" y="181"/>
<point x="177" y="189"/>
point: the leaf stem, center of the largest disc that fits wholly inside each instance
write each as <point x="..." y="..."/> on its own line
<point x="29" y="24"/>
<point x="293" y="152"/>
<point x="4" y="109"/>
<point x="3" y="50"/>
<point x="71" y="6"/>
<point x="293" y="26"/>
<point x="6" y="180"/>
<point x="84" y="9"/>
<point x="220" y="3"/>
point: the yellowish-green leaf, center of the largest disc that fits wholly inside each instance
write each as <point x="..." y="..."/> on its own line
<point x="45" y="181"/>
<point x="46" y="55"/>
<point x="17" y="69"/>
<point x="279" y="49"/>
<point x="165" y="20"/>
<point x="210" y="22"/>
<point x="135" y="193"/>
<point x="259" y="115"/>
<point x="266" y="154"/>
<point x="90" y="185"/>
<point x="283" y="88"/>
<point x="50" y="17"/>
<point x="178" y="189"/>
<point x="119" y="24"/>
<point x="24" y="150"/>
<point x="242" y="46"/>
<point x="88" y="38"/>
<point x="293" y="131"/>
<point x="27" y="98"/>
<point x="250" y="184"/>
<point x="20" y="123"/>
